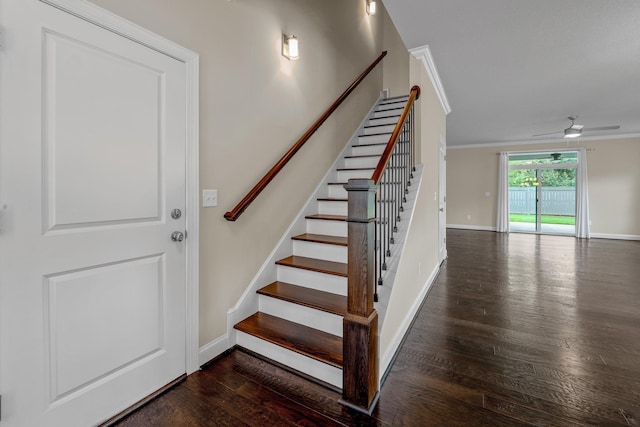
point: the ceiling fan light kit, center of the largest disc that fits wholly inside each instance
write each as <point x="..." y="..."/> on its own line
<point x="572" y="133"/>
<point x="575" y="130"/>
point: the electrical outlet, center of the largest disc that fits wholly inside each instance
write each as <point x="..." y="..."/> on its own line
<point x="209" y="198"/>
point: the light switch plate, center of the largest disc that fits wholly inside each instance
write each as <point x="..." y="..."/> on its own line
<point x="209" y="198"/>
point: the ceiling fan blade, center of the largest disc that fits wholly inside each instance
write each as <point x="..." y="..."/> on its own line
<point x="602" y="128"/>
<point x="548" y="133"/>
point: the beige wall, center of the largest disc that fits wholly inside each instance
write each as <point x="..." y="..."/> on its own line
<point x="614" y="184"/>
<point x="254" y="104"/>
<point x="396" y="64"/>
<point x="420" y="258"/>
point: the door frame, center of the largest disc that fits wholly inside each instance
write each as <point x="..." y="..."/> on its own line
<point x="107" y="20"/>
<point x="538" y="169"/>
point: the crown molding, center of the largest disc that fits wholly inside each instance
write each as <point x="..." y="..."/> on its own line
<point x="423" y="54"/>
<point x="546" y="141"/>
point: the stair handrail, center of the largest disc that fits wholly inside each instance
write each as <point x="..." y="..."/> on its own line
<point x="235" y="213"/>
<point x="393" y="140"/>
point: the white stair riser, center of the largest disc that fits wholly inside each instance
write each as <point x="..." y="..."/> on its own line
<point x="317" y="319"/>
<point x="361" y="162"/>
<point x="309" y="366"/>
<point x="379" y="129"/>
<point x="345" y="176"/>
<point x="390" y="113"/>
<point x="383" y="121"/>
<point x="330" y="228"/>
<point x="313" y="279"/>
<point x="337" y="191"/>
<point x="332" y="208"/>
<point x="323" y="251"/>
<point x="367" y="150"/>
<point x="391" y="105"/>
<point x="374" y="139"/>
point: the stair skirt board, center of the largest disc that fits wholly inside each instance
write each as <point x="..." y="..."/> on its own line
<point x="312" y="279"/>
<point x="317" y="319"/>
<point x="297" y="361"/>
<point x="320" y="251"/>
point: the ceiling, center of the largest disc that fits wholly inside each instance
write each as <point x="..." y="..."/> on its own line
<point x="515" y="68"/>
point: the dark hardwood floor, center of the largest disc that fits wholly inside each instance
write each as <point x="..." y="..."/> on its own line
<point x="517" y="330"/>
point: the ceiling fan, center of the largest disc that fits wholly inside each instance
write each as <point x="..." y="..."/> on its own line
<point x="575" y="130"/>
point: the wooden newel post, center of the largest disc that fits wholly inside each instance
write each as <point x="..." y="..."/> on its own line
<point x="360" y="348"/>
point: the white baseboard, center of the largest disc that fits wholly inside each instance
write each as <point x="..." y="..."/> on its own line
<point x="213" y="349"/>
<point x="615" y="236"/>
<point x="471" y="227"/>
<point x="389" y="354"/>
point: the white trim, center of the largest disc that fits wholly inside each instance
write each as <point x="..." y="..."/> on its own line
<point x="471" y="227"/>
<point x="107" y="20"/>
<point x="213" y="349"/>
<point x="396" y="341"/>
<point x="423" y="54"/>
<point x="111" y="22"/>
<point x="546" y="141"/>
<point x="615" y="236"/>
<point x="193" y="215"/>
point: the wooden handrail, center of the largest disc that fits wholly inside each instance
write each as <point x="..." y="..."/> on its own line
<point x="257" y="189"/>
<point x="386" y="155"/>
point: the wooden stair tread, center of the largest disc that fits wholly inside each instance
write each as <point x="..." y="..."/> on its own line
<point x="327" y="217"/>
<point x="356" y="169"/>
<point x="319" y="300"/>
<point x="301" y="339"/>
<point x="321" y="238"/>
<point x="363" y="156"/>
<point x="388" y="109"/>
<point x="313" y="264"/>
<point x="370" y="144"/>
<point x="332" y="199"/>
<point x="375" y="134"/>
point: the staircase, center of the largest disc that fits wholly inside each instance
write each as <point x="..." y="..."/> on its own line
<point x="300" y="319"/>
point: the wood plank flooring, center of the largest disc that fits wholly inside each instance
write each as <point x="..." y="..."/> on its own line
<point x="517" y="330"/>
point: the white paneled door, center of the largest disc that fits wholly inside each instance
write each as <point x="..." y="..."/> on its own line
<point x="92" y="149"/>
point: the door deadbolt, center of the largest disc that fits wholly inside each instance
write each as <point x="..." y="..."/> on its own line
<point x="176" y="213"/>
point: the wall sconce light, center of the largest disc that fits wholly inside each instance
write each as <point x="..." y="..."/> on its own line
<point x="290" y="47"/>
<point x="371" y="7"/>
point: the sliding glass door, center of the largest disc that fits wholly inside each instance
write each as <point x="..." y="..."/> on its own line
<point x="542" y="192"/>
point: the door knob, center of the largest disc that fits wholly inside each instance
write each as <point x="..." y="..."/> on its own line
<point x="177" y="236"/>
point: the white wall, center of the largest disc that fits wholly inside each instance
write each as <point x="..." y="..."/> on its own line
<point x="420" y="260"/>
